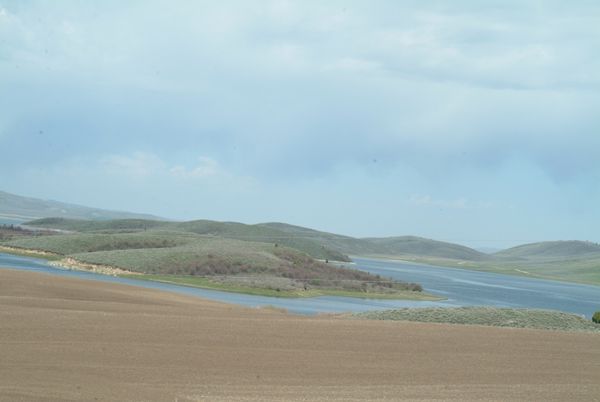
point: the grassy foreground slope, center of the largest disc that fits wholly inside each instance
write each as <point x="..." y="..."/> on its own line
<point x="497" y="317"/>
<point x="216" y="262"/>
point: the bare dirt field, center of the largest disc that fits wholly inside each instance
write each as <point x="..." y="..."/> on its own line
<point x="67" y="339"/>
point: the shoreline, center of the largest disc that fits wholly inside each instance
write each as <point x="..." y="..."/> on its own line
<point x="72" y="263"/>
<point x="65" y="262"/>
<point x="27" y="252"/>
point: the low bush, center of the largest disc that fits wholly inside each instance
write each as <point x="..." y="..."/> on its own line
<point x="596" y="317"/>
<point x="491" y="316"/>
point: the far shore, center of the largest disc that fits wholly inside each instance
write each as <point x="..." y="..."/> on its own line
<point x="473" y="266"/>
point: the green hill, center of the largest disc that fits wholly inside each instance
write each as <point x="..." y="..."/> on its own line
<point x="563" y="260"/>
<point x="343" y="244"/>
<point x="384" y="246"/>
<point x="552" y="249"/>
<point x="77" y="243"/>
<point x="15" y="208"/>
<point x="418" y="246"/>
<point x="86" y="225"/>
<point x="230" y="230"/>
<point x="574" y="261"/>
<point x="318" y="244"/>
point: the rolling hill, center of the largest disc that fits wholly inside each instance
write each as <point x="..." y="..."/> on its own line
<point x="16" y="208"/>
<point x="564" y="260"/>
<point x="576" y="261"/>
<point x="552" y="249"/>
<point x="384" y="246"/>
<point x="318" y="244"/>
<point x="412" y="245"/>
<point x="229" y="230"/>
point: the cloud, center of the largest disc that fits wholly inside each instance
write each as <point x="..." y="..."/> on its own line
<point x="353" y="65"/>
<point x="144" y="165"/>
<point x="140" y="165"/>
<point x="433" y="99"/>
<point x="303" y="88"/>
<point x="428" y="201"/>
<point x="206" y="167"/>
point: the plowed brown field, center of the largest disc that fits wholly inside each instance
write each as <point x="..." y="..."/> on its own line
<point x="67" y="339"/>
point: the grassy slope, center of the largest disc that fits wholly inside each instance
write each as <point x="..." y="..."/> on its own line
<point x="86" y="225"/>
<point x="90" y="242"/>
<point x="411" y="245"/>
<point x="259" y="233"/>
<point x="552" y="249"/>
<point x="385" y="246"/>
<point x="318" y="244"/>
<point x="569" y="261"/>
<point x="220" y="262"/>
<point x="499" y="317"/>
<point x="8" y="232"/>
<point x="229" y="230"/>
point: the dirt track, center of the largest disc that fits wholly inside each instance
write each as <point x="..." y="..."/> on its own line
<point x="66" y="339"/>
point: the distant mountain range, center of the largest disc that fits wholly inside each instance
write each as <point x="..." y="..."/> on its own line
<point x="15" y="208"/>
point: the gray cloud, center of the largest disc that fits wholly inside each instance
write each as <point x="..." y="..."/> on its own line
<point x="289" y="91"/>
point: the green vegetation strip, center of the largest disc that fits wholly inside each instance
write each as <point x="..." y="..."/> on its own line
<point x="497" y="317"/>
<point x="208" y="283"/>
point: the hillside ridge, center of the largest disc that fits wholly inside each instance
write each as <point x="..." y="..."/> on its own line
<point x="557" y="248"/>
<point x="20" y="208"/>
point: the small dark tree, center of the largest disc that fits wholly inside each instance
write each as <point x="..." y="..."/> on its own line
<point x="596" y="317"/>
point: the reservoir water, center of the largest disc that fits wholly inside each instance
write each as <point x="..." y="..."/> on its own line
<point x="459" y="287"/>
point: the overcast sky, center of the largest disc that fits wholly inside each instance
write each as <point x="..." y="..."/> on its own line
<point x="473" y="122"/>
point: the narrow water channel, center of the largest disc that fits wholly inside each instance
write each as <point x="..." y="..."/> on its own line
<point x="459" y="287"/>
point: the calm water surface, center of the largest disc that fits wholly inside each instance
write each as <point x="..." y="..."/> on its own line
<point x="459" y="287"/>
<point x="466" y="287"/>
